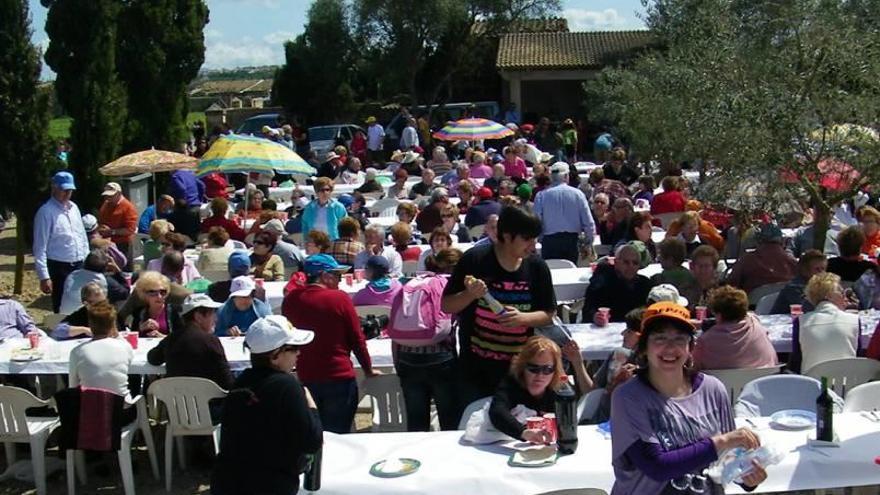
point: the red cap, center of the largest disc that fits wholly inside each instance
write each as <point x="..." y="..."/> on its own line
<point x="528" y="127"/>
<point x="484" y="193"/>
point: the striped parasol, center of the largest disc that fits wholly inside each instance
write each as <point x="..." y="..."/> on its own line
<point x="472" y="130"/>
<point x="150" y="162"/>
<point x="246" y="154"/>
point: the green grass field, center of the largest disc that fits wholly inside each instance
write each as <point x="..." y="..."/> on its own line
<point x="60" y="128"/>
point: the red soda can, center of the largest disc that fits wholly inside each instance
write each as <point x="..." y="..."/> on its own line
<point x="535" y="423"/>
<point x="550" y="426"/>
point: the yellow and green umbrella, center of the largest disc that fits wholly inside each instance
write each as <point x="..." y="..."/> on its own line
<point x="248" y="154"/>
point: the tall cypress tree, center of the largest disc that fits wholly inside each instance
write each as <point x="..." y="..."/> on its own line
<point x="24" y="118"/>
<point x="82" y="52"/>
<point x="161" y="48"/>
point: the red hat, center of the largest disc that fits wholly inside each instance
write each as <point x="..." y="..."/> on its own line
<point x="527" y="127"/>
<point x="484" y="193"/>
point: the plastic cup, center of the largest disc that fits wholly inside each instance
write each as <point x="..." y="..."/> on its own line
<point x="127" y="277"/>
<point x="535" y="423"/>
<point x="259" y="282"/>
<point x="349" y="279"/>
<point x="700" y="312"/>
<point x="605" y="312"/>
<point x="796" y="310"/>
<point x="132" y="339"/>
<point x="359" y="274"/>
<point x="34" y="339"/>
<point x="593" y="266"/>
<point x="550" y="426"/>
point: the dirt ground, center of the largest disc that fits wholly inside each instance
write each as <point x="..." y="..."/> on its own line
<point x="105" y="480"/>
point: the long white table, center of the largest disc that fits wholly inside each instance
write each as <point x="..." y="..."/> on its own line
<point x="447" y="466"/>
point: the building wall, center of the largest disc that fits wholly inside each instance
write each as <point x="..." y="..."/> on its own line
<point x="555" y="99"/>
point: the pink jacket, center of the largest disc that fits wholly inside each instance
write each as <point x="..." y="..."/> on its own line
<point x="740" y="344"/>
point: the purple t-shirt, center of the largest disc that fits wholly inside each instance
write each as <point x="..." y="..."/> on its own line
<point x="638" y="412"/>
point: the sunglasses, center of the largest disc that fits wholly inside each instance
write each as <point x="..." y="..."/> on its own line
<point x="157" y="292"/>
<point x="540" y="369"/>
<point x="325" y="189"/>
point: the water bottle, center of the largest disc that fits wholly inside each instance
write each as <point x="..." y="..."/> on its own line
<point x="736" y="463"/>
<point x="494" y="305"/>
<point x="312" y="477"/>
<point x="566" y="418"/>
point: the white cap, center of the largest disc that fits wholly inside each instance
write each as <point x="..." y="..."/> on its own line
<point x="194" y="301"/>
<point x="242" y="286"/>
<point x="111" y="188"/>
<point x="300" y="203"/>
<point x="666" y="293"/>
<point x="545" y="157"/>
<point x="274" y="225"/>
<point x="273" y="331"/>
<point x="559" y="168"/>
<point x="89" y="221"/>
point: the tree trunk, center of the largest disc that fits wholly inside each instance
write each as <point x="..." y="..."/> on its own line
<point x="821" y="224"/>
<point x="20" y="245"/>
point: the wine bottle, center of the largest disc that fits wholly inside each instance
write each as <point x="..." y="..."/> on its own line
<point x="566" y="418"/>
<point x="824" y="414"/>
<point x="312" y="476"/>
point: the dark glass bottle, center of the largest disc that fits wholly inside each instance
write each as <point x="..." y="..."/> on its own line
<point x="312" y="476"/>
<point x="566" y="418"/>
<point x="824" y="414"/>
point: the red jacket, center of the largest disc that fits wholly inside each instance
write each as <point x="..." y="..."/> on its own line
<point x="331" y="315"/>
<point x="235" y="232"/>
<point x="215" y="185"/>
<point x="667" y="202"/>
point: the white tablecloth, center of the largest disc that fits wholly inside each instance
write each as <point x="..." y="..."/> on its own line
<point x="447" y="466"/>
<point x="56" y="357"/>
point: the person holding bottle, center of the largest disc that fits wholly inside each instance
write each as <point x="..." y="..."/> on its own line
<point x="669" y="421"/>
<point x="536" y="374"/>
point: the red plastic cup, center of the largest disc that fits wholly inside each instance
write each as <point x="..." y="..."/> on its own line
<point x="349" y="279"/>
<point x="796" y="310"/>
<point x="132" y="339"/>
<point x="550" y="426"/>
<point x="359" y="274"/>
<point x="127" y="277"/>
<point x="700" y="312"/>
<point x="34" y="339"/>
<point x="593" y="266"/>
<point x="535" y="423"/>
<point x="259" y="282"/>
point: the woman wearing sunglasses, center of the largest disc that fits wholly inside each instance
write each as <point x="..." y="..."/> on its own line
<point x="670" y="422"/>
<point x="535" y="376"/>
<point x="156" y="317"/>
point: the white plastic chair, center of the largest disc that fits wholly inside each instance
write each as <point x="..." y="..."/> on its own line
<point x="186" y="399"/>
<point x="735" y="379"/>
<point x="765" y="305"/>
<point x="238" y="244"/>
<point x="389" y="410"/>
<point x="373" y="309"/>
<point x="559" y="264"/>
<point x="759" y="292"/>
<point x="470" y="410"/>
<point x="477" y="231"/>
<point x="770" y="394"/>
<point x="589" y="404"/>
<point x="142" y="422"/>
<point x="17" y="427"/>
<point x="847" y="373"/>
<point x="410" y="268"/>
<point x="864" y="397"/>
<point x="380" y="206"/>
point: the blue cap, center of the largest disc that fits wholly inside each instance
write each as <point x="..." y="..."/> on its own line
<point x="319" y="263"/>
<point x="239" y="263"/>
<point x="346" y="199"/>
<point x="64" y="181"/>
<point x="379" y="264"/>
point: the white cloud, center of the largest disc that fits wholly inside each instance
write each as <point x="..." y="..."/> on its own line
<point x="245" y="52"/>
<point x="269" y="4"/>
<point x="279" y="37"/>
<point x="212" y="34"/>
<point x="591" y="20"/>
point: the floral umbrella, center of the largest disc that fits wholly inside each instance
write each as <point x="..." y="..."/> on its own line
<point x="149" y="162"/>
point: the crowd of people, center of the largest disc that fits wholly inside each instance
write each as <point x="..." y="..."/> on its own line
<point x="510" y="198"/>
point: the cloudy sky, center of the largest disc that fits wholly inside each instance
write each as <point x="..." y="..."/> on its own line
<point x="252" y="32"/>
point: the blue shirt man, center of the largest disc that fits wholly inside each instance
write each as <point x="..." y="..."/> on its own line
<point x="561" y="231"/>
<point x="60" y="242"/>
<point x="185" y="185"/>
<point x="161" y="210"/>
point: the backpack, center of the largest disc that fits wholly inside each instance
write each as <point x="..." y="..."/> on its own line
<point x="416" y="318"/>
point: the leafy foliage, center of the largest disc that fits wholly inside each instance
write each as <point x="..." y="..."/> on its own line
<point x="775" y="90"/>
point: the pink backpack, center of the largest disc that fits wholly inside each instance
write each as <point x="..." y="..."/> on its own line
<point x="416" y="318"/>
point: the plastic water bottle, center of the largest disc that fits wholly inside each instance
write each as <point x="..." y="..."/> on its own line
<point x="566" y="418"/>
<point x="736" y="463"/>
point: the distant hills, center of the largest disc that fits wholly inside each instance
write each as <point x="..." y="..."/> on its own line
<point x="261" y="72"/>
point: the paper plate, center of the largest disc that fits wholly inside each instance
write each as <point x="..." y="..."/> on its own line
<point x="534" y="457"/>
<point x="405" y="466"/>
<point x="793" y="419"/>
<point x="25" y="355"/>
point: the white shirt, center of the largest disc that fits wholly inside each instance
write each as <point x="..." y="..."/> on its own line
<point x="375" y="137"/>
<point x="827" y="333"/>
<point x="70" y="299"/>
<point x="103" y="364"/>
<point x="409" y="138"/>
<point x="389" y="253"/>
<point x="59" y="235"/>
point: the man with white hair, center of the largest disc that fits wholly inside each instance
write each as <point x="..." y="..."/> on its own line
<point x="424" y="187"/>
<point x="374" y="242"/>
<point x="565" y="214"/>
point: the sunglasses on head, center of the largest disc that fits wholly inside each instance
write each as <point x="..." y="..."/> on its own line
<point x="157" y="292"/>
<point x="540" y="369"/>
